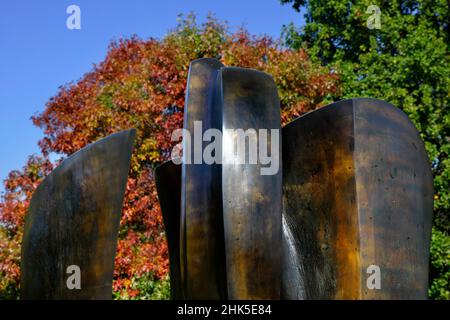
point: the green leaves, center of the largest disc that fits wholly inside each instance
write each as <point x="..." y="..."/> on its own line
<point x="440" y="266"/>
<point x="146" y="287"/>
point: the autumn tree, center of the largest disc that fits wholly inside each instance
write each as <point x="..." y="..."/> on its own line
<point x="141" y="84"/>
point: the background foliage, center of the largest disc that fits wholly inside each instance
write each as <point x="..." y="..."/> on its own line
<point x="405" y="62"/>
<point x="141" y="84"/>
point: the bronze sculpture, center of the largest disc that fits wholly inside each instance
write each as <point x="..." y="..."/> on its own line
<point x="357" y="198"/>
<point x="73" y="222"/>
<point x="352" y="203"/>
<point x="357" y="192"/>
<point x="220" y="268"/>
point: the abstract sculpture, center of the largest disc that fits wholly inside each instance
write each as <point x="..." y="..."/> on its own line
<point x="73" y="222"/>
<point x="344" y="197"/>
<point x="356" y="197"/>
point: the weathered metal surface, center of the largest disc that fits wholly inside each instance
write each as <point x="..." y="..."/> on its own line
<point x="358" y="192"/>
<point x="168" y="184"/>
<point x="73" y="219"/>
<point x="202" y="251"/>
<point x="251" y="201"/>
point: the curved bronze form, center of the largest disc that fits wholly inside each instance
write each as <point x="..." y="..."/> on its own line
<point x="73" y="221"/>
<point x="230" y="230"/>
<point x="251" y="201"/>
<point x="358" y="194"/>
<point x="168" y="184"/>
<point x="201" y="250"/>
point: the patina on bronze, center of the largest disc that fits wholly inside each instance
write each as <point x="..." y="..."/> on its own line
<point x="168" y="184"/>
<point x="357" y="192"/>
<point x="251" y="201"/>
<point x="73" y="220"/>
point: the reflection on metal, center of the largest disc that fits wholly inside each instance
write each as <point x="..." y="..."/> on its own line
<point x="72" y="224"/>
<point x="251" y="202"/>
<point x="168" y="184"/>
<point x="353" y="202"/>
<point x="357" y="191"/>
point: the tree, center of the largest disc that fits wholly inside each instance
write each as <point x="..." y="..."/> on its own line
<point x="141" y="84"/>
<point x="405" y="62"/>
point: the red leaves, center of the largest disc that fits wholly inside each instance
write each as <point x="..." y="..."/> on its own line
<point x="19" y="188"/>
<point x="9" y="259"/>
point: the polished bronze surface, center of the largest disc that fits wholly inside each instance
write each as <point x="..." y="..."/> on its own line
<point x="73" y="220"/>
<point x="357" y="192"/>
<point x="201" y="250"/>
<point x="251" y="201"/>
<point x="168" y="184"/>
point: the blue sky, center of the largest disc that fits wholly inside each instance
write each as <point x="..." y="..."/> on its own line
<point x="38" y="53"/>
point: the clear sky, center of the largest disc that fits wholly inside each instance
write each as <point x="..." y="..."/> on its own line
<point x="38" y="53"/>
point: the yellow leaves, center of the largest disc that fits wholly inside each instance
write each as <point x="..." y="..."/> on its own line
<point x="147" y="151"/>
